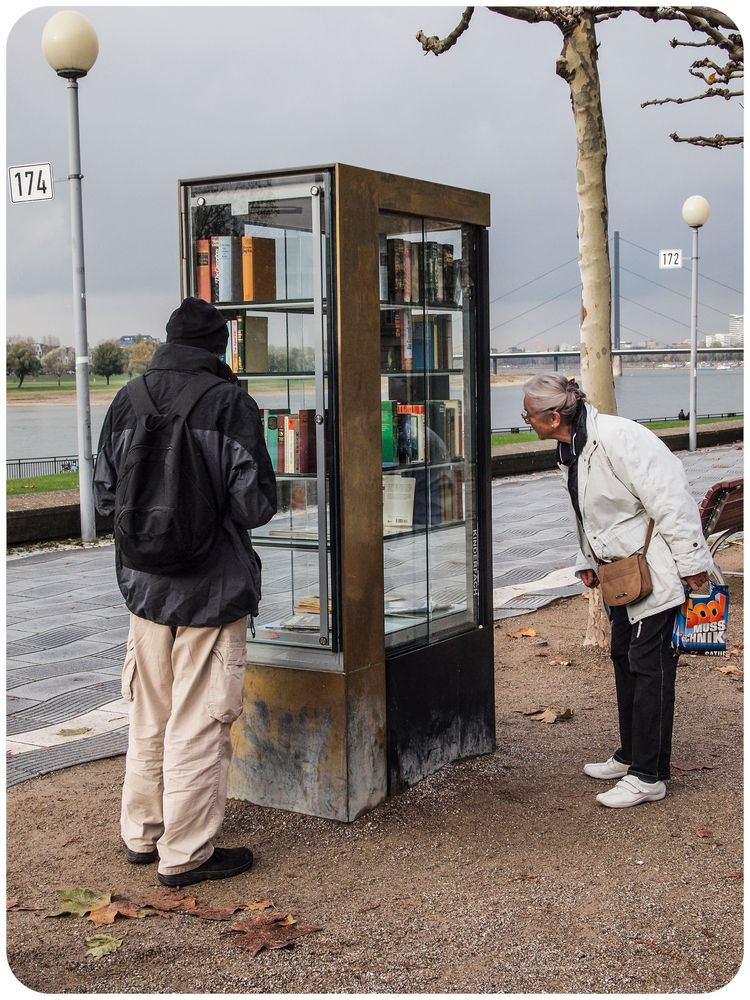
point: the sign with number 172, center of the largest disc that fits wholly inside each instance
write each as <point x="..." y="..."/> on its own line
<point x="670" y="258"/>
<point x="32" y="182"/>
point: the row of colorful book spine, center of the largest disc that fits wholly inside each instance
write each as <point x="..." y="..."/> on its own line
<point x="235" y="269"/>
<point x="247" y="344"/>
<point x="410" y="432"/>
<point x="418" y="272"/>
<point x="290" y="440"/>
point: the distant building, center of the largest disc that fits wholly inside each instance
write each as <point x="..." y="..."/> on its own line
<point x="725" y="339"/>
<point x="736" y="329"/>
<point x="136" y="339"/>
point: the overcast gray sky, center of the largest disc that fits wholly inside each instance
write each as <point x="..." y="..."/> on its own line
<point x="191" y="91"/>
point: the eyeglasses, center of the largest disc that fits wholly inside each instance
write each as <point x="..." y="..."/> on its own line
<point x="527" y="417"/>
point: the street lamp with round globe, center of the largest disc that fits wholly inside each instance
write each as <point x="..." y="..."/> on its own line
<point x="70" y="46"/>
<point x="695" y="212"/>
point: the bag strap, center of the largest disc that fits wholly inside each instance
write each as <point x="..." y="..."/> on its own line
<point x="195" y="389"/>
<point x="140" y="398"/>
<point x="649" y="532"/>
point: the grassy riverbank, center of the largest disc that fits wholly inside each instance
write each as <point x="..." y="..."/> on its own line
<point x="45" y="389"/>
<point x="526" y="437"/>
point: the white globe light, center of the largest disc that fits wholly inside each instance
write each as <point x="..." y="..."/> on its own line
<point x="70" y="44"/>
<point x="696" y="211"/>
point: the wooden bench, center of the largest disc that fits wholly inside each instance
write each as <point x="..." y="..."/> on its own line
<point x="722" y="511"/>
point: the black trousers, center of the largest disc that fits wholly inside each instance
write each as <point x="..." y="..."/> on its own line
<point x="645" y="670"/>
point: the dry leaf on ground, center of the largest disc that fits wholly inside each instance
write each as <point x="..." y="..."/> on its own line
<point x="215" y="912"/>
<point x="259" y="904"/>
<point x="560" y="663"/>
<point x="729" y="670"/>
<point x="165" y="899"/>
<point x="549" y="715"/>
<point x="80" y="901"/>
<point x="74" y="732"/>
<point x="101" y="944"/>
<point x="704" y="832"/>
<point x="693" y="767"/>
<point x="270" y="930"/>
<point x="118" y="908"/>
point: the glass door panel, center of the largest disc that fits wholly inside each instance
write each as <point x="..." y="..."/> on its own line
<point x="261" y="252"/>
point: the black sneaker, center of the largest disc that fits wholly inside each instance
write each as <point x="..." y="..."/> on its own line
<point x="225" y="862"/>
<point x="141" y="857"/>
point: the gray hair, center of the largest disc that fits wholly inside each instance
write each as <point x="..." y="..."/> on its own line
<point x="554" y="391"/>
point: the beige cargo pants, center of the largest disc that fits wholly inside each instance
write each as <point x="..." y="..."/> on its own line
<point x="184" y="686"/>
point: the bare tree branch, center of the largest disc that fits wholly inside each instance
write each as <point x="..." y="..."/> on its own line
<point x="714" y="142"/>
<point x="711" y="92"/>
<point x="437" y="45"/>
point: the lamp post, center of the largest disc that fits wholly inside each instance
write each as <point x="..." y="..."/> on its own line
<point x="695" y="212"/>
<point x="70" y="46"/>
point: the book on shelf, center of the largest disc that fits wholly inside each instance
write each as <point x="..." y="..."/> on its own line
<point x="202" y="252"/>
<point x="258" y="269"/>
<point x="389" y="431"/>
<point x="398" y="501"/>
<point x="418" y="272"/>
<point x="410" y="422"/>
<point x="383" y="266"/>
<point x="232" y="346"/>
<point x="395" y="270"/>
<point x="226" y="269"/>
<point x="306" y="454"/>
<point x="255" y="336"/>
<point x="291" y="441"/>
<point x="433" y="342"/>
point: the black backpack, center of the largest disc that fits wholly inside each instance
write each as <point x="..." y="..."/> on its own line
<point x="166" y="514"/>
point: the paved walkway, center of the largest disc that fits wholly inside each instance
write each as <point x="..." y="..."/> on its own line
<point x="67" y="626"/>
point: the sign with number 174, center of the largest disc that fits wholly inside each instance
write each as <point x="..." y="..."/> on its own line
<point x="32" y="182"/>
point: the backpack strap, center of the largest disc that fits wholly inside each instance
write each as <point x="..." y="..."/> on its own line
<point x="196" y="388"/>
<point x="140" y="398"/>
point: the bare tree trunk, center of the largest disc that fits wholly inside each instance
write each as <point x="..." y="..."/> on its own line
<point x="577" y="65"/>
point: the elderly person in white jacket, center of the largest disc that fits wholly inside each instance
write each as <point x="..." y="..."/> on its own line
<point x="619" y="475"/>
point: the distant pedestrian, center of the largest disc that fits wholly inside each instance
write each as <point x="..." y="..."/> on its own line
<point x="619" y="476"/>
<point x="682" y="415"/>
<point x="185" y="664"/>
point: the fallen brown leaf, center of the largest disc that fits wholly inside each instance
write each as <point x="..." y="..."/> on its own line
<point x="528" y="631"/>
<point x="118" y="907"/>
<point x="541" y="654"/>
<point x="693" y="767"/>
<point x="259" y="904"/>
<point x="263" y="920"/>
<point x="560" y="663"/>
<point x="165" y="899"/>
<point x="549" y="715"/>
<point x="738" y="874"/>
<point x="731" y="669"/>
<point x="269" y="930"/>
<point x="214" y="912"/>
<point x="704" y="832"/>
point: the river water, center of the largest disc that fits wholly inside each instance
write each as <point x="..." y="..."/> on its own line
<point x="47" y="430"/>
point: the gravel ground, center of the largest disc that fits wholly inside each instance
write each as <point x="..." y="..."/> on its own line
<point x="499" y="874"/>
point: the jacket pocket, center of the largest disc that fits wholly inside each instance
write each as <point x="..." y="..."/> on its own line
<point x="227" y="680"/>
<point x="128" y="673"/>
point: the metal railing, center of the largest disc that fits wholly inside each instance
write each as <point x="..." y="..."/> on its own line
<point x="525" y="429"/>
<point x="25" y="468"/>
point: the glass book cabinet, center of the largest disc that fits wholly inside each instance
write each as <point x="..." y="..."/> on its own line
<point x="357" y="309"/>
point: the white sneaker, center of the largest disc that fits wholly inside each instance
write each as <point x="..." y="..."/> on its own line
<point x="610" y="770"/>
<point x="631" y="791"/>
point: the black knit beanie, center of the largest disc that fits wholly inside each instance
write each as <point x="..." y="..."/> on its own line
<point x="198" y="324"/>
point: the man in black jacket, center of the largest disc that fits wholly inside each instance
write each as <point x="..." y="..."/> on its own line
<point x="184" y="668"/>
